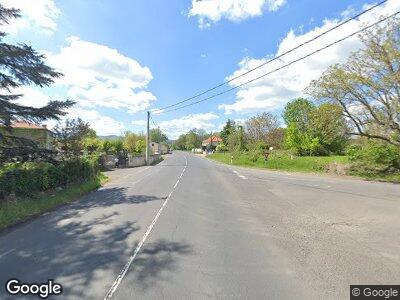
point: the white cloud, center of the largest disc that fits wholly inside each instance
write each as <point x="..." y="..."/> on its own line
<point x="139" y="122"/>
<point x="103" y="125"/>
<point x="41" y="14"/>
<point x="175" y="127"/>
<point x="30" y="96"/>
<point x="211" y="11"/>
<point x="97" y="75"/>
<point x="274" y="91"/>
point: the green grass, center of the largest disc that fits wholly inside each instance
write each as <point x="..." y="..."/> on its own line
<point x="282" y="161"/>
<point x="12" y="212"/>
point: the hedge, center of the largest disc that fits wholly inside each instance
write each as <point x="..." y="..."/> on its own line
<point x="24" y="179"/>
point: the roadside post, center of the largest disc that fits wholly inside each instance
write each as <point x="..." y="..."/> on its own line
<point x="148" y="140"/>
<point x="267" y="153"/>
<point x="231" y="159"/>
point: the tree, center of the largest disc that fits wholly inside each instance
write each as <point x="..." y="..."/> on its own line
<point x="130" y="140"/>
<point x="180" y="143"/>
<point x="140" y="145"/>
<point x="91" y="144"/>
<point x="367" y="86"/>
<point x="22" y="65"/>
<point x="117" y="146"/>
<point x="158" y="136"/>
<point x="236" y="140"/>
<point x="106" y="146"/>
<point x="228" y="129"/>
<point x="276" y="138"/>
<point x="328" y="125"/>
<point x="259" y="127"/>
<point x="193" y="140"/>
<point x="70" y="137"/>
<point x="297" y="111"/>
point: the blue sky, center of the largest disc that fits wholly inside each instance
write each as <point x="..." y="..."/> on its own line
<point x="121" y="58"/>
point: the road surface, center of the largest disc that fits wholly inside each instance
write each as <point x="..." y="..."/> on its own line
<point x="191" y="228"/>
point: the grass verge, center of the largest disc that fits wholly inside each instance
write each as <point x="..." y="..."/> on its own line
<point x="20" y="210"/>
<point x="282" y="162"/>
<point x="337" y="165"/>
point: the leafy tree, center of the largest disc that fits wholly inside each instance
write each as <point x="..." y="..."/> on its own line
<point x="193" y="140"/>
<point x="106" y="146"/>
<point x="328" y="125"/>
<point x="314" y="130"/>
<point x="117" y="146"/>
<point x="158" y="136"/>
<point x="130" y="140"/>
<point x="276" y="138"/>
<point x="367" y="86"/>
<point x="236" y="140"/>
<point x="22" y="65"/>
<point x="297" y="111"/>
<point x="91" y="144"/>
<point x="228" y="129"/>
<point x="180" y="143"/>
<point x="69" y="137"/>
<point x="258" y="128"/>
<point x="140" y="145"/>
<point x="302" y="141"/>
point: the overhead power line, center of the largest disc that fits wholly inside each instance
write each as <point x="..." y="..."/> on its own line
<point x="277" y="57"/>
<point x="152" y="120"/>
<point x="286" y="65"/>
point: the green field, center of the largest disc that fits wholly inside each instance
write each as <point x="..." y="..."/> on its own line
<point x="12" y="212"/>
<point x="282" y="161"/>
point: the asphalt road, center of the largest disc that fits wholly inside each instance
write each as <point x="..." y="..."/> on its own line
<point x="190" y="228"/>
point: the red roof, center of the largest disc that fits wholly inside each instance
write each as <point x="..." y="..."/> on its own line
<point x="214" y="139"/>
<point x="27" y="125"/>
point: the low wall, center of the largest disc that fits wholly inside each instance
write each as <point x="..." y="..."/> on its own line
<point x="154" y="158"/>
<point x="136" y="161"/>
<point x="130" y="161"/>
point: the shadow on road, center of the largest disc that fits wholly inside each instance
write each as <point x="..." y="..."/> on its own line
<point x="154" y="262"/>
<point x="78" y="243"/>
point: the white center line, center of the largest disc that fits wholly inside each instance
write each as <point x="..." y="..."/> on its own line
<point x="8" y="252"/>
<point x="142" y="241"/>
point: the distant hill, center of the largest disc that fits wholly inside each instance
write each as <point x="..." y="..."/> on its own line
<point x="109" y="137"/>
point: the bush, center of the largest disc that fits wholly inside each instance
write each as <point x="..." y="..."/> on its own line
<point x="23" y="179"/>
<point x="374" y="158"/>
<point x="221" y="148"/>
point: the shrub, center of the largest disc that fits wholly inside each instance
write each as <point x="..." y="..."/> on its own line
<point x="23" y="179"/>
<point x="374" y="158"/>
<point x="221" y="148"/>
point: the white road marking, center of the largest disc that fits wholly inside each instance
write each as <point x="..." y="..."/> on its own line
<point x="238" y="174"/>
<point x="7" y="252"/>
<point x="142" y="241"/>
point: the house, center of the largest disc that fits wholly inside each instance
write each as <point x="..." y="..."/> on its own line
<point x="158" y="148"/>
<point x="211" y="142"/>
<point x="38" y="133"/>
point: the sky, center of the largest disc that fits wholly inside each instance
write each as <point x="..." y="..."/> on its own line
<point x="122" y="58"/>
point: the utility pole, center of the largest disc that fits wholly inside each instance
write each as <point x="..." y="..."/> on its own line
<point x="241" y="136"/>
<point x="148" y="140"/>
<point x="211" y="141"/>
